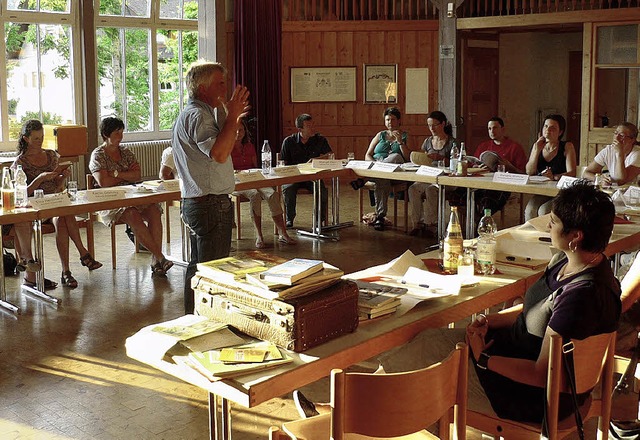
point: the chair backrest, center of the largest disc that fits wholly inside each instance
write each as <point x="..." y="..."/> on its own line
<point x="593" y="361"/>
<point x="396" y="404"/>
<point x="420" y="158"/>
<point x="91" y="181"/>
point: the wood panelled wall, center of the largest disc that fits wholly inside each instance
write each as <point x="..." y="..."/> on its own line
<point x="350" y="126"/>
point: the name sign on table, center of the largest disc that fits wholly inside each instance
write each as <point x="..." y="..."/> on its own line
<point x="170" y="185"/>
<point x="388" y="167"/>
<point x="290" y="170"/>
<point x="50" y="201"/>
<point x="425" y="170"/>
<point x="514" y="179"/>
<point x="102" y="194"/>
<point x="566" y="181"/>
<point x="248" y="176"/>
<point x="359" y="164"/>
<point x="326" y="164"/>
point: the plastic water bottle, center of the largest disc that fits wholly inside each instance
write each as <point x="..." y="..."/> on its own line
<point x="486" y="250"/>
<point x="266" y="158"/>
<point x="453" y="159"/>
<point x="22" y="198"/>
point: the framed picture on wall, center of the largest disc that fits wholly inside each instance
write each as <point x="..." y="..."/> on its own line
<point x="323" y="84"/>
<point x="380" y="83"/>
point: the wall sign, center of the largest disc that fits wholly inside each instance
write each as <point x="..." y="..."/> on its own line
<point x="326" y="84"/>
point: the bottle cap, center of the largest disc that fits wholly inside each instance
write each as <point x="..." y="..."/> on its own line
<point x="487" y="212"/>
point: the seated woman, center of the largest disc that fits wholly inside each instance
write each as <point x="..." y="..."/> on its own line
<point x="577" y="297"/>
<point x="423" y="197"/>
<point x="113" y="165"/>
<point x="621" y="158"/>
<point x="244" y="157"/>
<point x="389" y="146"/>
<point x="43" y="172"/>
<point x="550" y="157"/>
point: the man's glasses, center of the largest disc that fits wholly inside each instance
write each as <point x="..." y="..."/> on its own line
<point x="622" y="135"/>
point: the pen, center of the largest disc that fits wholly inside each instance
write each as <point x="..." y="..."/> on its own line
<point x="544" y="171"/>
<point x="545" y="239"/>
<point x="512" y="258"/>
<point x="426" y="286"/>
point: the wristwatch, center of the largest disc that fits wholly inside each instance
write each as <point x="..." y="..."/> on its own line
<point x="115" y="173"/>
<point x="483" y="361"/>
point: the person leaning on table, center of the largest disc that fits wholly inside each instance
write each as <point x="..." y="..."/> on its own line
<point x="112" y="164"/>
<point x="621" y="158"/>
<point x="202" y="140"/>
<point x="550" y="157"/>
<point x="388" y="146"/>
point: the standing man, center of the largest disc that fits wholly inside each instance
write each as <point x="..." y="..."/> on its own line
<point x="299" y="148"/>
<point x="202" y="140"/>
<point x="510" y="154"/>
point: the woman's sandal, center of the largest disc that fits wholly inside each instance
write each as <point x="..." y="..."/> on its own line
<point x="29" y="266"/>
<point x="161" y="267"/>
<point x="88" y="261"/>
<point x="48" y="284"/>
<point x="68" y="280"/>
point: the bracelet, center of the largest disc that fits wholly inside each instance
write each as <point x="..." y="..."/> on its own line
<point x="484" y="318"/>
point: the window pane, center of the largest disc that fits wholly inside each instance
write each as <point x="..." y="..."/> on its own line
<point x="617" y="44"/>
<point x="45" y="5"/>
<point x="124" y="73"/>
<point x="176" y="51"/>
<point x="130" y="8"/>
<point x="39" y="75"/>
<point x="179" y="9"/>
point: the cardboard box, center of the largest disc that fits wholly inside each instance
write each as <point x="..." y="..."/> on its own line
<point x="67" y="140"/>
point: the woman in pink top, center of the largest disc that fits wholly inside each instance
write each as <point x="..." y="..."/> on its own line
<point x="244" y="157"/>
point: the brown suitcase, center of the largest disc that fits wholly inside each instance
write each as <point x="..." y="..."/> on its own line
<point x="296" y="324"/>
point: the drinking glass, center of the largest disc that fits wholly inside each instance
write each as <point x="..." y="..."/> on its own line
<point x="72" y="189"/>
<point x="331" y="156"/>
<point x="351" y="156"/>
<point x="501" y="168"/>
<point x="38" y="194"/>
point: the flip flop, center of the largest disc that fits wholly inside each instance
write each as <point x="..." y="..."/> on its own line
<point x="259" y="244"/>
<point x="285" y="240"/>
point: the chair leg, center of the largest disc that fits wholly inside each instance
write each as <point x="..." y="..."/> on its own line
<point x="91" y="246"/>
<point x="113" y="247"/>
<point x="238" y="220"/>
<point x="406" y="208"/>
<point x="167" y="225"/>
<point x="395" y="208"/>
<point x="361" y="204"/>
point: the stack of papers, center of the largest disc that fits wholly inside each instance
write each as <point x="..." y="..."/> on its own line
<point x="376" y="300"/>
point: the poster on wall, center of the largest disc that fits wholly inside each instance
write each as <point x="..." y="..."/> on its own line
<point x="380" y="83"/>
<point x="325" y="84"/>
<point x="417" y="91"/>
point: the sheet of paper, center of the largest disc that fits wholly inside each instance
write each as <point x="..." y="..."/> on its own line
<point x="425" y="170"/>
<point x="399" y="266"/>
<point x="359" y="164"/>
<point x="512" y="178"/>
<point x="425" y="284"/>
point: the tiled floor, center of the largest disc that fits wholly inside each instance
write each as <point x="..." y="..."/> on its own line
<point x="64" y="373"/>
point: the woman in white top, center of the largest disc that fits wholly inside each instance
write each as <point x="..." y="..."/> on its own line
<point x="621" y="158"/>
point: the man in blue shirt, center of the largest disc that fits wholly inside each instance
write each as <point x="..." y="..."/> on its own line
<point x="298" y="148"/>
<point x="202" y="140"/>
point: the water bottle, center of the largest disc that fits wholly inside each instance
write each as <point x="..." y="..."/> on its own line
<point x="22" y="197"/>
<point x="266" y="158"/>
<point x="462" y="161"/>
<point x="453" y="159"/>
<point x="8" y="192"/>
<point x="453" y="242"/>
<point x="486" y="250"/>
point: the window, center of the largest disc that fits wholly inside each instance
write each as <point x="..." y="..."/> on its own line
<point x="143" y="50"/>
<point x="141" y="61"/>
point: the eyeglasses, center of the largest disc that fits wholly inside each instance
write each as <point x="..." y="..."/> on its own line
<point x="434" y="125"/>
<point x="622" y="135"/>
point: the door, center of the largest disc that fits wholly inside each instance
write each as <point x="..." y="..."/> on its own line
<point x="481" y="91"/>
<point x="574" y="101"/>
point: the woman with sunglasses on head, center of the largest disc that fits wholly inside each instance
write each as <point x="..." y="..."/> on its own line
<point x="621" y="158"/>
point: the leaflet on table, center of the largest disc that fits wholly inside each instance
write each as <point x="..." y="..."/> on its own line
<point x="359" y="164"/>
<point x="248" y="175"/>
<point x="426" y="170"/>
<point x="102" y="194"/>
<point x="566" y="181"/>
<point x="50" y="201"/>
<point x="631" y="197"/>
<point x="425" y="284"/>
<point x="383" y="166"/>
<point x="289" y="170"/>
<point x="540" y="224"/>
<point x="163" y="185"/>
<point x="326" y="164"/>
<point x="512" y="178"/>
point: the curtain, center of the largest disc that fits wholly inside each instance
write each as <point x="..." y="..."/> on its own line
<point x="257" y="65"/>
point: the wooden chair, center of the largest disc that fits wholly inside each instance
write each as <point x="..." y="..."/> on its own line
<point x="593" y="359"/>
<point x="91" y="184"/>
<point x="396" y="187"/>
<point x="391" y="405"/>
<point x="514" y="199"/>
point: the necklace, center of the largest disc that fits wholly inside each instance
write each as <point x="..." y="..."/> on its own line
<point x="562" y="275"/>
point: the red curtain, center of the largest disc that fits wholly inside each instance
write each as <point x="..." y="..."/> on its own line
<point x="258" y="45"/>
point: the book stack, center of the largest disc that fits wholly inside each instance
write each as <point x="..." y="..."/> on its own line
<point x="376" y="300"/>
<point x="267" y="276"/>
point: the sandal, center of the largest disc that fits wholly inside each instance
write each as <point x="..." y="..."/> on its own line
<point x="28" y="266"/>
<point x="161" y="267"/>
<point x="286" y="240"/>
<point x="259" y="243"/>
<point x="68" y="280"/>
<point x="88" y="261"/>
<point x="48" y="284"/>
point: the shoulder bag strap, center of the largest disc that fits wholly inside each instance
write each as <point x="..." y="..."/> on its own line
<point x="567" y="355"/>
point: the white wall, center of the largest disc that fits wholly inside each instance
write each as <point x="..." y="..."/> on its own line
<point x="534" y="75"/>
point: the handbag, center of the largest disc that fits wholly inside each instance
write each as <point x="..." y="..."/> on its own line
<point x="626" y="430"/>
<point x="10" y="263"/>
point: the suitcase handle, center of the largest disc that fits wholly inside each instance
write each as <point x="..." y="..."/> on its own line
<point x="258" y="315"/>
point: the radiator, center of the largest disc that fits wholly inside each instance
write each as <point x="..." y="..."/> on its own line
<point x="149" y="154"/>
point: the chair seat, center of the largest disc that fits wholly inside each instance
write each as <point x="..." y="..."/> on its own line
<point x="318" y="427"/>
